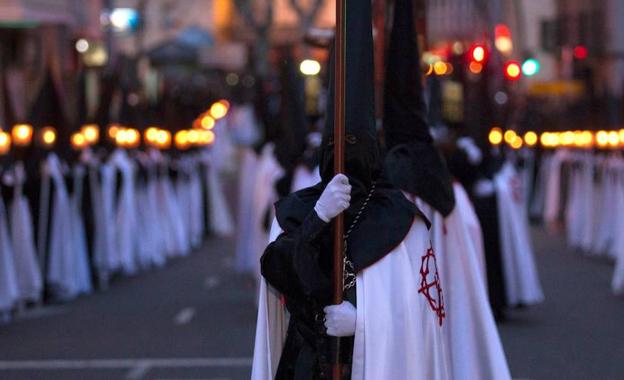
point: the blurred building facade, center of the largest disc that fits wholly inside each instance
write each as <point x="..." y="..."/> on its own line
<point x="37" y="40"/>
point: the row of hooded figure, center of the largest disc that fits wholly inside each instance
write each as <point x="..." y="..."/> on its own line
<point x="582" y="193"/>
<point x="106" y="214"/>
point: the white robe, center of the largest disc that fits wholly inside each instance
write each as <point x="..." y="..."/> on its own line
<point x="245" y="218"/>
<point x="29" y="278"/>
<point x="68" y="270"/>
<point x="396" y="337"/>
<point x="176" y="241"/>
<point x="264" y="173"/>
<point x="474" y="347"/>
<point x="197" y="203"/>
<point x="79" y="236"/>
<point x="604" y="226"/>
<point x="126" y="237"/>
<point x="552" y="199"/>
<point x="521" y="278"/>
<point x="219" y="214"/>
<point x="8" y="281"/>
<point x="149" y="224"/>
<point x="304" y="177"/>
<point x="103" y="201"/>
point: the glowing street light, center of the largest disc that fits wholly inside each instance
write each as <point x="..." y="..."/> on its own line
<point x="310" y="67"/>
<point x="5" y="142"/>
<point x="530" y="138"/>
<point x="22" y="134"/>
<point x="48" y="136"/>
<point x="91" y="133"/>
<point x="496" y="136"/>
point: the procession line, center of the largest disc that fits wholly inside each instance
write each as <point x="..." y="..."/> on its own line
<point x="123" y="363"/>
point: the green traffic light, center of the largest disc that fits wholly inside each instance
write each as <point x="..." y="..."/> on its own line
<point x="530" y="67"/>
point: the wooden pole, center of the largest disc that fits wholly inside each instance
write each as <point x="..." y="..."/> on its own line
<point x="379" y="23"/>
<point x="339" y="165"/>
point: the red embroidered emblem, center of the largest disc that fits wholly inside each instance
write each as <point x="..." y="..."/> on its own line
<point x="430" y="284"/>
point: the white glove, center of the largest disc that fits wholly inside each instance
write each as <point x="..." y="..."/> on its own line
<point x="340" y="319"/>
<point x="335" y="198"/>
<point x="484" y="188"/>
<point x="473" y="152"/>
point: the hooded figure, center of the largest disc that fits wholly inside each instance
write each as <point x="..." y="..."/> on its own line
<point x="413" y="162"/>
<point x="391" y="319"/>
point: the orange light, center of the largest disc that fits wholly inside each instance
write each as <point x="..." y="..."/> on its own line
<point x="206" y="137"/>
<point x="614" y="139"/>
<point x="121" y="137"/>
<point x="78" y="141"/>
<point x="587" y="139"/>
<point x="91" y="133"/>
<point x="429" y="69"/>
<point x="550" y="139"/>
<point x="440" y="68"/>
<point x="207" y="122"/>
<point x="112" y="131"/>
<point x="193" y="136"/>
<point x="602" y="138"/>
<point x="475" y="67"/>
<point x="163" y="139"/>
<point x="567" y="138"/>
<point x="150" y="135"/>
<point x="181" y="140"/>
<point x="218" y="110"/>
<point x="48" y="136"/>
<point x="495" y="136"/>
<point x="510" y="136"/>
<point x="133" y="138"/>
<point x="22" y="134"/>
<point x="530" y="138"/>
<point x="517" y="143"/>
<point x="5" y="142"/>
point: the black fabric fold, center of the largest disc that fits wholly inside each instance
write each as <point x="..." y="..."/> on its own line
<point x="412" y="163"/>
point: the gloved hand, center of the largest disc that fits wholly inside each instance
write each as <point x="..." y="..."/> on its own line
<point x="484" y="188"/>
<point x="335" y="198"/>
<point x="340" y="319"/>
<point x="473" y="152"/>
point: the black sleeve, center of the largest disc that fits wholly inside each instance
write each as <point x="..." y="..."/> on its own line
<point x="291" y="263"/>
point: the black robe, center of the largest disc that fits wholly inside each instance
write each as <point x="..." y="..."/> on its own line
<point x="299" y="265"/>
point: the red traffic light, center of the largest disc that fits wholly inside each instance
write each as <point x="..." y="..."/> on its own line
<point x="513" y="70"/>
<point x="580" y="52"/>
<point x="478" y="53"/>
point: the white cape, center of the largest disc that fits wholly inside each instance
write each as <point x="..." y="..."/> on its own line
<point x="29" y="278"/>
<point x="8" y="280"/>
<point x="471" y="337"/>
<point x="521" y="278"/>
<point x="396" y="337"/>
<point x="219" y="214"/>
<point x="304" y="177"/>
<point x="68" y="269"/>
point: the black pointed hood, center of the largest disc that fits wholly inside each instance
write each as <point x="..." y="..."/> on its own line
<point x="413" y="163"/>
<point x="363" y="158"/>
<point x="388" y="216"/>
<point x="405" y="112"/>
